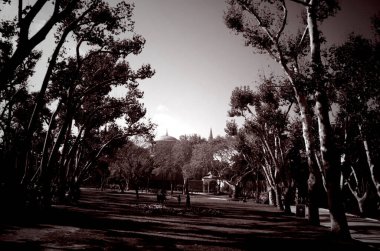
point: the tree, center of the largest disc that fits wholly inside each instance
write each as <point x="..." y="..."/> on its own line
<point x="182" y="154"/>
<point x="224" y="165"/>
<point x="266" y="124"/>
<point x="249" y="160"/>
<point x="78" y="88"/>
<point x="94" y="109"/>
<point x="164" y="162"/>
<point x="355" y="79"/>
<point x="267" y="34"/>
<point x="329" y="155"/>
<point x="262" y="25"/>
<point x="81" y="85"/>
<point x="202" y="161"/>
<point x="131" y="167"/>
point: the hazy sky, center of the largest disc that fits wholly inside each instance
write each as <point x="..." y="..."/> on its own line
<point x="198" y="61"/>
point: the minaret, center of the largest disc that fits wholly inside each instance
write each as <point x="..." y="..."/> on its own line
<point x="210" y="137"/>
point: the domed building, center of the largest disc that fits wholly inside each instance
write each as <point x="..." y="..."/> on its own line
<point x="162" y="141"/>
<point x="166" y="138"/>
<point x="164" y="175"/>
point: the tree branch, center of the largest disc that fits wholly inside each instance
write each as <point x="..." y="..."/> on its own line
<point x="285" y="17"/>
<point x="303" y="37"/>
<point x="19" y="13"/>
<point x="301" y="2"/>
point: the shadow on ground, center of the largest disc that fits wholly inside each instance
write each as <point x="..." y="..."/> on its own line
<point x="113" y="221"/>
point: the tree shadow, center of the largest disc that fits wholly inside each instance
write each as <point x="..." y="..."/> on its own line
<point x="110" y="221"/>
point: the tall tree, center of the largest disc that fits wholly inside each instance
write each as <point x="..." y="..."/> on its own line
<point x="202" y="160"/>
<point x="182" y="154"/>
<point x="354" y="66"/>
<point x="267" y="34"/>
<point x="329" y="155"/>
<point x="80" y="85"/>
<point x="266" y="124"/>
<point x="164" y="162"/>
<point x="262" y="25"/>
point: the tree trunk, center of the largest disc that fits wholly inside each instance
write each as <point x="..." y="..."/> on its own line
<point x="185" y="186"/>
<point x="46" y="171"/>
<point x="330" y="165"/>
<point x="271" y="196"/>
<point x="288" y="195"/>
<point x="25" y="44"/>
<point x="277" y="192"/>
<point x="315" y="180"/>
<point x="330" y="161"/>
<point x="257" y="188"/>
<point x="371" y="165"/>
<point x="137" y="193"/>
<point x="361" y="200"/>
<point x="235" y="193"/>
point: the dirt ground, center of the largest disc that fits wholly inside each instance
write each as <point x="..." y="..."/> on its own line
<point x="107" y="220"/>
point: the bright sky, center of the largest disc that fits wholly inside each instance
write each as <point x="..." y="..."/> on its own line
<point x="198" y="61"/>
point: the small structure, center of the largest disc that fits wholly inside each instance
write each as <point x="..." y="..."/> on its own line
<point x="209" y="178"/>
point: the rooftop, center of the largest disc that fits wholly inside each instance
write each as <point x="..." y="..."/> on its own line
<point x="166" y="138"/>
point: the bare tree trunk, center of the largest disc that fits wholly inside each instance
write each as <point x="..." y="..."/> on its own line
<point x="330" y="161"/>
<point x="46" y="169"/>
<point x="330" y="166"/>
<point x="361" y="200"/>
<point x="355" y="191"/>
<point x="44" y="148"/>
<point x="315" y="180"/>
<point x="277" y="192"/>
<point x="271" y="196"/>
<point x="371" y="165"/>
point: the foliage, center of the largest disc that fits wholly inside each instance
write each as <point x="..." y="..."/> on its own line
<point x="164" y="161"/>
<point x="60" y="148"/>
<point x="264" y="133"/>
<point x="355" y="74"/>
<point x="131" y="167"/>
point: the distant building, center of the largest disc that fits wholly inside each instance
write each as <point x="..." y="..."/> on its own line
<point x="207" y="180"/>
<point x="166" y="138"/>
<point x="161" y="176"/>
<point x="210" y="137"/>
<point x="163" y="141"/>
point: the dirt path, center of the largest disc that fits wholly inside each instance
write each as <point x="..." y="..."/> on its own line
<point x="113" y="221"/>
